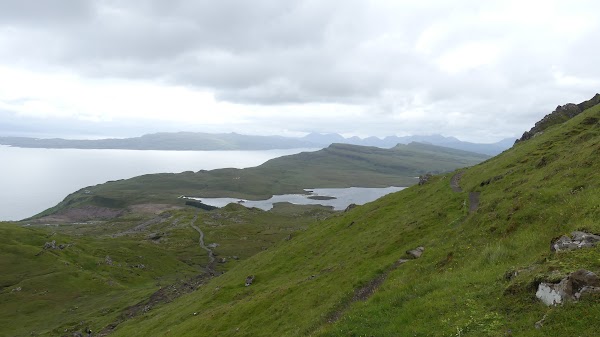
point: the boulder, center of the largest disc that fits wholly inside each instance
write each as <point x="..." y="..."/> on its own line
<point x="416" y="253"/>
<point x="570" y="288"/>
<point x="577" y="240"/>
<point x="351" y="206"/>
<point x="424" y="178"/>
<point x="50" y="245"/>
<point x="249" y="280"/>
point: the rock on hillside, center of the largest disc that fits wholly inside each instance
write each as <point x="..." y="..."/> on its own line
<point x="561" y="114"/>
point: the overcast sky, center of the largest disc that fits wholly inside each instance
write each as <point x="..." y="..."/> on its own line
<point x="477" y="70"/>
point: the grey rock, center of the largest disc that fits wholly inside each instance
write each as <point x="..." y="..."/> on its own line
<point x="570" y="288"/>
<point x="585" y="238"/>
<point x="416" y="253"/>
<point x="424" y="178"/>
<point x="351" y="206"/>
<point x="108" y="260"/>
<point x="577" y="240"/>
<point x="235" y="257"/>
<point x="222" y="260"/>
<point x="50" y="245"/>
<point x="249" y="280"/>
<point x="561" y="113"/>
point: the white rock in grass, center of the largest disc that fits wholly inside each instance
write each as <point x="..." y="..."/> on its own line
<point x="547" y="294"/>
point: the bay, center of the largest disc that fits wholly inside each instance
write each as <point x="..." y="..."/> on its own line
<point x="340" y="198"/>
<point x="32" y="180"/>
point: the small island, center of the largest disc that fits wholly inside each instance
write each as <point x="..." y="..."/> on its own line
<point x="321" y="197"/>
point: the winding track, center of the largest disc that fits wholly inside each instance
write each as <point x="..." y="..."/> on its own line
<point x="473" y="196"/>
<point x="211" y="255"/>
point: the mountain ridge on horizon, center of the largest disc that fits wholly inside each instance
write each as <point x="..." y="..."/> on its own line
<point x="200" y="141"/>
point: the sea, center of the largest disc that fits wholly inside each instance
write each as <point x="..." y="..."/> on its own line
<point x="33" y="180"/>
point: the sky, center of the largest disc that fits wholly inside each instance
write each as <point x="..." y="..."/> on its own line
<point x="477" y="70"/>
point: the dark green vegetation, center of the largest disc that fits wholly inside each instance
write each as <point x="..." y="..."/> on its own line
<point x="339" y="165"/>
<point x="461" y="286"/>
<point x="197" y="141"/>
<point x="108" y="271"/>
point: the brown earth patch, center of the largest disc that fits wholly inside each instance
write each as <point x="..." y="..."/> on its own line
<point x="81" y="214"/>
<point x="152" y="208"/>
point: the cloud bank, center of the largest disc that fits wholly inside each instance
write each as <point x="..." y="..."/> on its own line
<point x="477" y="70"/>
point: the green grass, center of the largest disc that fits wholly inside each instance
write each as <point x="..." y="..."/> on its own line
<point x="74" y="288"/>
<point x="542" y="188"/>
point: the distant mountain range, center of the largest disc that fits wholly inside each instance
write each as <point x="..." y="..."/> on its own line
<point x="196" y="141"/>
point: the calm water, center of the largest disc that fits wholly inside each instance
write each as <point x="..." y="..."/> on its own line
<point x="343" y="198"/>
<point x="32" y="180"/>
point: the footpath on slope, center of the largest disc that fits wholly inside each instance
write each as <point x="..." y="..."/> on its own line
<point x="473" y="196"/>
<point x="211" y="255"/>
<point x="169" y="292"/>
<point x="363" y="293"/>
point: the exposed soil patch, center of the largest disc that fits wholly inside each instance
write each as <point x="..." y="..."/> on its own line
<point x="163" y="295"/>
<point x="168" y="293"/>
<point x="455" y="182"/>
<point x="211" y="255"/>
<point x="81" y="214"/>
<point x="152" y="208"/>
<point x="473" y="201"/>
<point x="365" y="292"/>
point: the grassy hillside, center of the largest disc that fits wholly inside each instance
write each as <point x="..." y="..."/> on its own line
<point x="109" y="271"/>
<point x="339" y="165"/>
<point x="477" y="276"/>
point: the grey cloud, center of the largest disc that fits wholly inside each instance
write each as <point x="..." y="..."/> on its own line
<point x="279" y="52"/>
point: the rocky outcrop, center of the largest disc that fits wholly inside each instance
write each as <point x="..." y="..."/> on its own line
<point x="50" y="245"/>
<point x="415" y="253"/>
<point x="249" y="280"/>
<point x="577" y="240"/>
<point x="571" y="288"/>
<point x="351" y="206"/>
<point x="424" y="178"/>
<point x="561" y="114"/>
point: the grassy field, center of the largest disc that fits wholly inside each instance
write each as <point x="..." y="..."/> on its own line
<point x="461" y="286"/>
<point x="339" y="165"/>
<point x="55" y="292"/>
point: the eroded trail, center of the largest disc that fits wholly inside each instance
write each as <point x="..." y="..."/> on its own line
<point x="473" y="196"/>
<point x="455" y="182"/>
<point x="473" y="201"/>
<point x="170" y="292"/>
<point x="211" y="254"/>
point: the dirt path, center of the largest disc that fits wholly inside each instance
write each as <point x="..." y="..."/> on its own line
<point x="365" y="292"/>
<point x="211" y="255"/>
<point x="473" y="196"/>
<point x="170" y="292"/>
<point x="473" y="201"/>
<point x="455" y="182"/>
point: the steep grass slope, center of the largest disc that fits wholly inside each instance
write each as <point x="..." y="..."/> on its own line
<point x="107" y="271"/>
<point x="339" y="165"/>
<point x="318" y="283"/>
